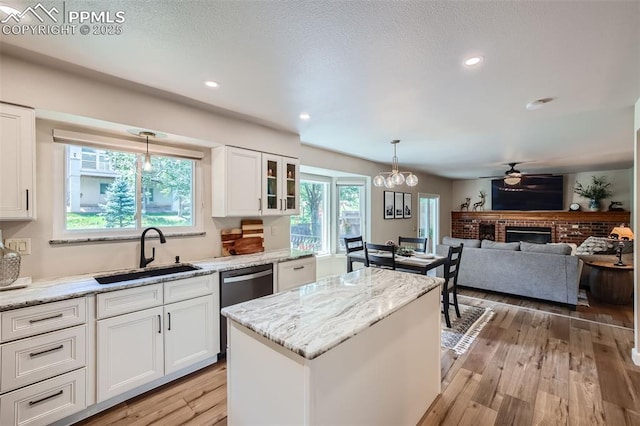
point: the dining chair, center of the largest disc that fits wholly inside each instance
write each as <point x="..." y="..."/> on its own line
<point x="417" y="244"/>
<point x="451" y="268"/>
<point x="380" y="255"/>
<point x="352" y="244"/>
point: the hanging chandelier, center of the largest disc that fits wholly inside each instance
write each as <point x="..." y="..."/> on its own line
<point x="395" y="177"/>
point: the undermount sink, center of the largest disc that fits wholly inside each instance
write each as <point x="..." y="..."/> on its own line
<point x="147" y="273"/>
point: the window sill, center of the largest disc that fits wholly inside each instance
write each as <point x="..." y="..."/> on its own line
<point x="92" y="240"/>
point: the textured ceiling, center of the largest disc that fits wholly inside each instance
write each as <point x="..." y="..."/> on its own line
<point x="369" y="72"/>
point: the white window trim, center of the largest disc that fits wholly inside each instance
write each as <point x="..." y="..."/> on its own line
<point x="366" y="205"/>
<point x="105" y="142"/>
<point x="327" y="229"/>
<point x="59" y="232"/>
<point x="332" y="200"/>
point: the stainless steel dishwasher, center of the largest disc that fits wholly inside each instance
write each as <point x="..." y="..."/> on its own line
<point x="241" y="285"/>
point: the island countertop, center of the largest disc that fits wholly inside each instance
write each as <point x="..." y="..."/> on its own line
<point x="312" y="319"/>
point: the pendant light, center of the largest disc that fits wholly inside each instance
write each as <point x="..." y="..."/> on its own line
<point x="147" y="156"/>
<point x="395" y="177"/>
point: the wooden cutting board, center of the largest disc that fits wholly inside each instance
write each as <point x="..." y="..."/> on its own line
<point x="247" y="239"/>
<point x="247" y="245"/>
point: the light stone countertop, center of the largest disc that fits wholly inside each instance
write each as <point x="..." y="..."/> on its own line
<point x="312" y="319"/>
<point x="50" y="290"/>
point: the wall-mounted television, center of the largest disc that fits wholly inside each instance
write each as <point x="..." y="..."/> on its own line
<point x="532" y="193"/>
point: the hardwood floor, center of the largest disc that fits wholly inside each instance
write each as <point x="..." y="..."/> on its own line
<point x="527" y="367"/>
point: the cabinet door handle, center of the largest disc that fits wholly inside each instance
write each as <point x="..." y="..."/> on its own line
<point x="169" y="322"/>
<point x="159" y="324"/>
<point x="27" y="199"/>
<point x="31" y="321"/>
<point x="259" y="204"/>
<point x="280" y="204"/>
<point x="57" y="348"/>
<point x="297" y="268"/>
<point x="38" y="401"/>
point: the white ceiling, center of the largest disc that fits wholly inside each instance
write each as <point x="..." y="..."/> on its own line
<point x="372" y="71"/>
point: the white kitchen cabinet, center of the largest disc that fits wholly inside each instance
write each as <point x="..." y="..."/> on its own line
<point x="136" y="348"/>
<point x="43" y="358"/>
<point x="280" y="185"/>
<point x="17" y="162"/>
<point x="190" y="330"/>
<point x="236" y="182"/>
<point x="129" y="352"/>
<point x="249" y="183"/>
<point x="295" y="273"/>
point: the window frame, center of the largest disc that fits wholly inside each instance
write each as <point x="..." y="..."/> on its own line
<point x="59" y="231"/>
<point x="333" y="205"/>
<point x="364" y="209"/>
<point x="326" y="229"/>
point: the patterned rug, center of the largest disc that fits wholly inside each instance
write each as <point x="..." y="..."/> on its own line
<point x="464" y="330"/>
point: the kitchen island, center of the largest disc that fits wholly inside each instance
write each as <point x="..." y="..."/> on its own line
<point x="362" y="348"/>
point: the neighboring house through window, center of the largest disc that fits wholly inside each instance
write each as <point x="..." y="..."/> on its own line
<point x="108" y="189"/>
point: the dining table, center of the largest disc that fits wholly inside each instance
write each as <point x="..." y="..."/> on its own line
<point x="417" y="263"/>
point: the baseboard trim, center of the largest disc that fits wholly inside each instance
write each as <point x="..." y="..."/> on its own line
<point x="635" y="356"/>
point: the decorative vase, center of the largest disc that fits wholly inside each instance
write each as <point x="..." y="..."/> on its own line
<point x="9" y="265"/>
<point x="594" y="205"/>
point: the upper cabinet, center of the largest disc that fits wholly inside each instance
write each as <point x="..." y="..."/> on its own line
<point x="280" y="185"/>
<point x="17" y="162"/>
<point x="249" y="183"/>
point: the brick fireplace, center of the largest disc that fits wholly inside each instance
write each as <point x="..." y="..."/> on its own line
<point x="565" y="227"/>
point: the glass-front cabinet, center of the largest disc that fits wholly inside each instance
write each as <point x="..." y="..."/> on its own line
<point x="280" y="185"/>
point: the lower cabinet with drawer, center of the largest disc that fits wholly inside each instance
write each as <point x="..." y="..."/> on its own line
<point x="136" y="348"/>
<point x="297" y="272"/>
<point x="43" y="362"/>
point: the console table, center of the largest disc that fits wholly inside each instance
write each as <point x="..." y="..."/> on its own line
<point x="610" y="283"/>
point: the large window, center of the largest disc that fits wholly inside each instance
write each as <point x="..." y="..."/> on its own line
<point x="351" y="211"/>
<point x="330" y="210"/>
<point x="108" y="189"/>
<point x="310" y="229"/>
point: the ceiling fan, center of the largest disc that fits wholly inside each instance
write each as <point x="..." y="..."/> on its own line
<point x="514" y="176"/>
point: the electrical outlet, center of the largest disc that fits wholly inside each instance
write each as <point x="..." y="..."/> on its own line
<point x="21" y="245"/>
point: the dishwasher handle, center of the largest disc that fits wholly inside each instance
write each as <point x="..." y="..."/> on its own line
<point x="228" y="280"/>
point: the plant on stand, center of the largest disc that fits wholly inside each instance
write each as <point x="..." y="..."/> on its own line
<point x="595" y="192"/>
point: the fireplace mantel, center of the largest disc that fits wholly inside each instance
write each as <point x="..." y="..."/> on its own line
<point x="567" y="227"/>
<point x="622" y="217"/>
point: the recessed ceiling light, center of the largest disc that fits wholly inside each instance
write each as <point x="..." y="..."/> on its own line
<point x="473" y="61"/>
<point x="538" y="103"/>
<point x="304" y="116"/>
<point x="212" y="84"/>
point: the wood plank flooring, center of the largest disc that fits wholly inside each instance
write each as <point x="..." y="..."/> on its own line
<point x="527" y="367"/>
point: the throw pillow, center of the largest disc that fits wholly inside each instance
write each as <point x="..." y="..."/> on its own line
<point x="563" y="249"/>
<point x="455" y="242"/>
<point x="494" y="245"/>
<point x="597" y="245"/>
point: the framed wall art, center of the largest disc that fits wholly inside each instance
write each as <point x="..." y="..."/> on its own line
<point x="399" y="205"/>
<point x="388" y="204"/>
<point x="407" y="206"/>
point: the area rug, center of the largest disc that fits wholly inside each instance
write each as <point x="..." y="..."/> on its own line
<point x="464" y="330"/>
<point x="583" y="300"/>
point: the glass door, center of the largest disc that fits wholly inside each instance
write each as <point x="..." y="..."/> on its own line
<point x="428" y="219"/>
<point x="271" y="189"/>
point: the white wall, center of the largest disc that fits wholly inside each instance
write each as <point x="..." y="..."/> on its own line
<point x="621" y="185"/>
<point x="51" y="89"/>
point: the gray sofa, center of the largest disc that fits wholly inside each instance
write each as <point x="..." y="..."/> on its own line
<point x="503" y="267"/>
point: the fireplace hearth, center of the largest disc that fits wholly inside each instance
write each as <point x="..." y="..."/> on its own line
<point x="529" y="234"/>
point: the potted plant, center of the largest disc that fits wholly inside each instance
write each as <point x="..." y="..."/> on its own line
<point x="595" y="192"/>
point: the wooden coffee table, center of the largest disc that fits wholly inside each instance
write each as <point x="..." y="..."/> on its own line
<point x="610" y="283"/>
